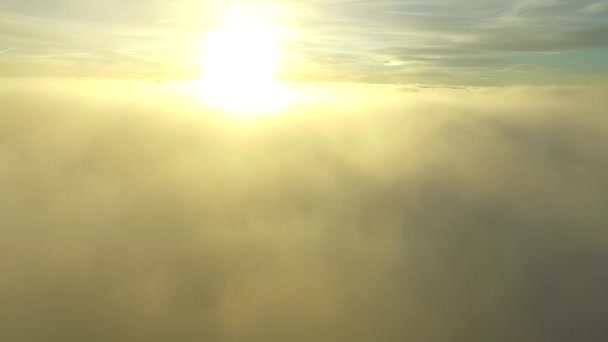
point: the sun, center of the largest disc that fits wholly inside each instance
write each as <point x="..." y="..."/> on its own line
<point x="241" y="59"/>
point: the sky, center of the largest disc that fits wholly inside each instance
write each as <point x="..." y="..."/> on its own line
<point x="456" y="42"/>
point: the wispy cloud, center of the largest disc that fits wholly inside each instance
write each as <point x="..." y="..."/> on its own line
<point x="331" y="38"/>
<point x="596" y="8"/>
<point x="63" y="47"/>
<point x="7" y="50"/>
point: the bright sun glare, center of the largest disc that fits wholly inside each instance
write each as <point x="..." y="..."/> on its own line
<point x="241" y="61"/>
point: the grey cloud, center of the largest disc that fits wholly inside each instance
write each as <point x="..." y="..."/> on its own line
<point x="429" y="51"/>
<point x="486" y="31"/>
<point x="526" y="39"/>
<point x="444" y="56"/>
<point x="525" y="8"/>
<point x="470" y="214"/>
<point x="597" y="7"/>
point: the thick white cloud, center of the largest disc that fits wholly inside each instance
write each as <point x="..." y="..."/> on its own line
<point x="128" y="212"/>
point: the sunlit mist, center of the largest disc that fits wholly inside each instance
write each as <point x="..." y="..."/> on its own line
<point x="133" y="212"/>
<point x="241" y="60"/>
<point x="303" y="171"/>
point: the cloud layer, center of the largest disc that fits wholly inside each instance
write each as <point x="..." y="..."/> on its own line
<point x="129" y="213"/>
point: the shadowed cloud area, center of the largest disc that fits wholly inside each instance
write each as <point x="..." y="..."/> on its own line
<point x="129" y="212"/>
